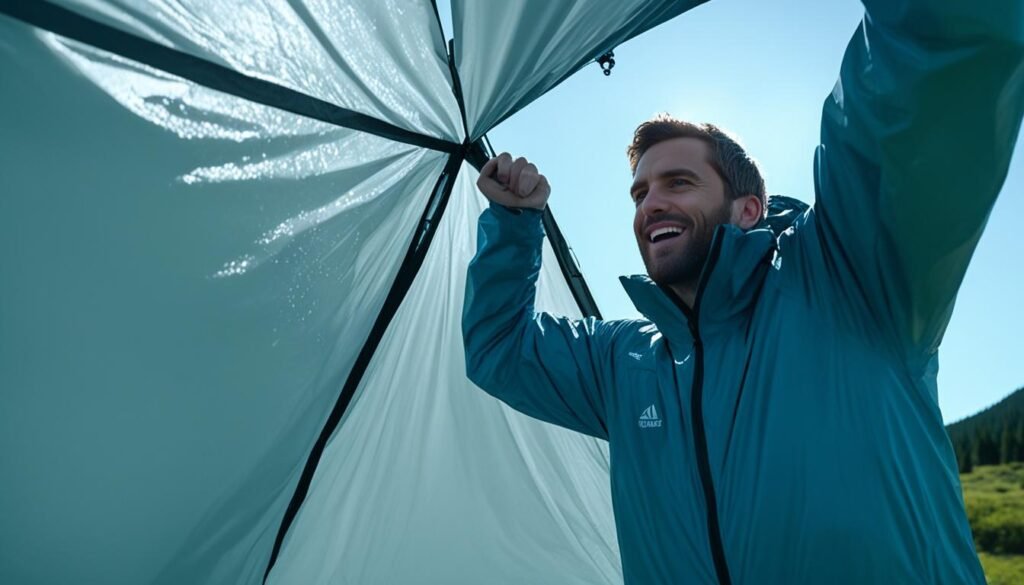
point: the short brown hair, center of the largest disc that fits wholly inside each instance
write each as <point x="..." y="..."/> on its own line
<point x="737" y="169"/>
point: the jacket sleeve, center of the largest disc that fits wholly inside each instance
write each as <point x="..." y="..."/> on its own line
<point x="916" y="142"/>
<point x="544" y="366"/>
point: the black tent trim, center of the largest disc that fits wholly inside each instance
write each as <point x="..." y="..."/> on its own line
<point x="74" y="26"/>
<point x="482" y="152"/>
<point x="67" y="23"/>
<point x="410" y="266"/>
<point x="407" y="271"/>
<point x="571" y="272"/>
<point x="563" y="252"/>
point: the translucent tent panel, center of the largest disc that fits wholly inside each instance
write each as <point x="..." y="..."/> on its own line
<point x="187" y="278"/>
<point x="430" y="480"/>
<point x="509" y="53"/>
<point x="383" y="58"/>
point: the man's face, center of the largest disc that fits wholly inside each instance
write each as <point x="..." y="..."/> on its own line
<point x="680" y="199"/>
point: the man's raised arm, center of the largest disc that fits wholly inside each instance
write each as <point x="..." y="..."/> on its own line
<point x="916" y="142"/>
<point x="547" y="367"/>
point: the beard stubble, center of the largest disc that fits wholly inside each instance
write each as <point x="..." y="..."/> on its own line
<point x="685" y="266"/>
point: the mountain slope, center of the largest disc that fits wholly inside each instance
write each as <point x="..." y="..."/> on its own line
<point x="993" y="436"/>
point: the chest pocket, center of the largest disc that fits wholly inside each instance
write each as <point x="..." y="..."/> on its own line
<point x="639" y="391"/>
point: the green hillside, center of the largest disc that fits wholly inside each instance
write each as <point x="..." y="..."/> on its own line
<point x="994" y="498"/>
<point x="993" y="436"/>
<point x="990" y="452"/>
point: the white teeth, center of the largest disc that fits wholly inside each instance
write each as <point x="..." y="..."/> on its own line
<point x="665" y="230"/>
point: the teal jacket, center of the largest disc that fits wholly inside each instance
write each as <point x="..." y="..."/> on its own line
<point x="786" y="429"/>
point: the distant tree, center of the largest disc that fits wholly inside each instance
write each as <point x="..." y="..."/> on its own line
<point x="987" y="448"/>
<point x="964" y="456"/>
<point x="1007" y="447"/>
<point x="1018" y="435"/>
<point x="992" y="436"/>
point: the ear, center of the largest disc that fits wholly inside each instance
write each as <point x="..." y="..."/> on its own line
<point x="747" y="211"/>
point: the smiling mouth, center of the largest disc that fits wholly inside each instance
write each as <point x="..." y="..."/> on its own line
<point x="666" y="233"/>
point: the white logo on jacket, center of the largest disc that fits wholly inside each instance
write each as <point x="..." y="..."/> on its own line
<point x="649" y="418"/>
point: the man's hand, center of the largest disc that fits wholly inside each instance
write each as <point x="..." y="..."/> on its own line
<point x="513" y="183"/>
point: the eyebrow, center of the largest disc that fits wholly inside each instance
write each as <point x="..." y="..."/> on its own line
<point x="667" y="174"/>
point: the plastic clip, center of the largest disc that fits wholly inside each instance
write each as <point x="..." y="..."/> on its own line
<point x="607" y="61"/>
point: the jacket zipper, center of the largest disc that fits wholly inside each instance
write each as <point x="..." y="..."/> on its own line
<point x="703" y="465"/>
<point x="697" y="414"/>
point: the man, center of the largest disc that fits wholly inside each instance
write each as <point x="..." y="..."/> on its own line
<point x="774" y="419"/>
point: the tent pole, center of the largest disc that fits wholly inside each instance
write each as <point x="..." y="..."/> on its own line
<point x="563" y="253"/>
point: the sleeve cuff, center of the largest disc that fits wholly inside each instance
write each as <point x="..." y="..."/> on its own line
<point x="506" y="210"/>
<point x="512" y="222"/>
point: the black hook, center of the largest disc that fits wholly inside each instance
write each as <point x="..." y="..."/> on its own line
<point x="607" y="61"/>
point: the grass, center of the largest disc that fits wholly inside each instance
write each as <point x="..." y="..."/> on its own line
<point x="994" y="497"/>
<point x="1003" y="569"/>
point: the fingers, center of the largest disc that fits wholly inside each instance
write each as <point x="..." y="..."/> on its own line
<point x="489" y="183"/>
<point x="543" y="190"/>
<point x="528" y="180"/>
<point x="513" y="182"/>
<point x="513" y="175"/>
<point x="539" y="196"/>
<point x="489" y="168"/>
<point x="504" y="168"/>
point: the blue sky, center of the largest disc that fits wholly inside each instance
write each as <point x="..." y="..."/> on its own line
<point x="762" y="70"/>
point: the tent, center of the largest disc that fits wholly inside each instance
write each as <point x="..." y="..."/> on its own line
<point x="235" y="238"/>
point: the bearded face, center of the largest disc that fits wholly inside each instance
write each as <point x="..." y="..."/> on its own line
<point x="680" y="200"/>
<point x="674" y="258"/>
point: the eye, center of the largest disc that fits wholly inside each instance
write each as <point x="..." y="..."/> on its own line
<point x="638" y="196"/>
<point x="679" y="182"/>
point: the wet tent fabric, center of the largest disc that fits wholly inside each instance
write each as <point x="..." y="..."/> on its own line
<point x="385" y="59"/>
<point x="470" y="491"/>
<point x="192" y="270"/>
<point x="189" y="277"/>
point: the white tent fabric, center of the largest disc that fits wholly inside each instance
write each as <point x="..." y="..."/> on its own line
<point x="189" y="277"/>
<point x="182" y="295"/>
<point x="385" y="58"/>
<point x="430" y="480"/>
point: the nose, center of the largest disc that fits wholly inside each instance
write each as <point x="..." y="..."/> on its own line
<point x="654" y="202"/>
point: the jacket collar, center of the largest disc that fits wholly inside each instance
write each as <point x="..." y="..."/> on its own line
<point x="729" y="285"/>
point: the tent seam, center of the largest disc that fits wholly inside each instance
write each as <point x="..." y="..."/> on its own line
<point x="68" y="23"/>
